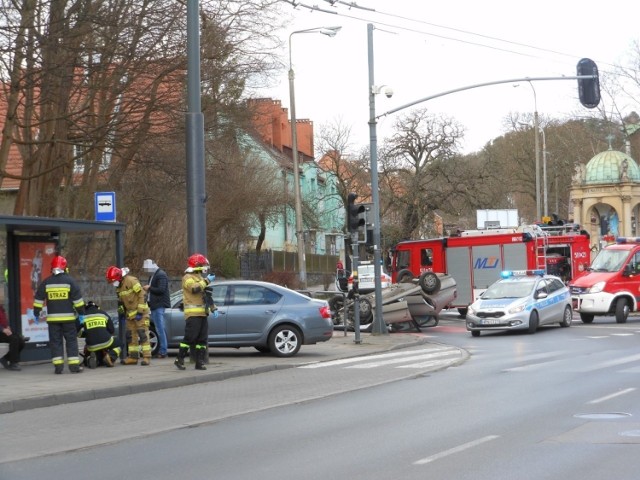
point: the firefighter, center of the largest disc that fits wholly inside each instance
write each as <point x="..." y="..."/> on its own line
<point x="101" y="347"/>
<point x="136" y="312"/>
<point x="64" y="303"/>
<point x="196" y="310"/>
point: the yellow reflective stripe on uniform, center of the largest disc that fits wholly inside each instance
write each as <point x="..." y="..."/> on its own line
<point x="38" y="303"/>
<point x="61" y="317"/>
<point x="100" y="346"/>
<point x="194" y="309"/>
<point x="78" y="303"/>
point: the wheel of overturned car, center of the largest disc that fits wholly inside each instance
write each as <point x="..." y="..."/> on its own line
<point x="534" y="321"/>
<point x="622" y="310"/>
<point x="285" y="341"/>
<point x="567" y="316"/>
<point x="586" y="318"/>
<point x="336" y="303"/>
<point x="429" y="283"/>
<point x="405" y="276"/>
<point x="366" y="310"/>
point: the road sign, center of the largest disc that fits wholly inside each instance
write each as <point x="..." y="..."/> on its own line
<point x="105" y="206"/>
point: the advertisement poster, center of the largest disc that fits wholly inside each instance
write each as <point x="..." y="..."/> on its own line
<point x="35" y="265"/>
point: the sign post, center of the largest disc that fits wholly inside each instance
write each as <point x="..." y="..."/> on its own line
<point x="105" y="203"/>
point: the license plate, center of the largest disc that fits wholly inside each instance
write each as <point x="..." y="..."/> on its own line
<point x="491" y="321"/>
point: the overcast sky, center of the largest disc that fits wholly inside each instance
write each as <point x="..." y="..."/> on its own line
<point x="422" y="48"/>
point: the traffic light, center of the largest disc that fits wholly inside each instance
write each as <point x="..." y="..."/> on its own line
<point x="588" y="88"/>
<point x="356" y="214"/>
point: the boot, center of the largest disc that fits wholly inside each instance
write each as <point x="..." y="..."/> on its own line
<point x="107" y="359"/>
<point x="130" y="361"/>
<point x="58" y="369"/>
<point x="200" y="353"/>
<point x="179" y="361"/>
<point x="145" y="361"/>
<point x="75" y="368"/>
<point x="93" y="360"/>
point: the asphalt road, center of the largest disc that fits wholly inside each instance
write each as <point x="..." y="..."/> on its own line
<point x="563" y="403"/>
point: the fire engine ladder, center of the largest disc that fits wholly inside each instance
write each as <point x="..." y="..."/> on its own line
<point x="542" y="245"/>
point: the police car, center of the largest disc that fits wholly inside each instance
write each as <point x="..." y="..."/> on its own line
<point x="521" y="300"/>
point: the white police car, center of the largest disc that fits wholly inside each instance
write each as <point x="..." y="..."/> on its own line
<point x="521" y="300"/>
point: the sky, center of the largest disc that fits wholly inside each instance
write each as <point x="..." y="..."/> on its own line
<point x="423" y="48"/>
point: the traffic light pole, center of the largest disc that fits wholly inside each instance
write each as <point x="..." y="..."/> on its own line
<point x="355" y="246"/>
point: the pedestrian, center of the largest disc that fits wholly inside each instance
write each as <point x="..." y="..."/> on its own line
<point x="196" y="310"/>
<point x="101" y="347"/>
<point x="158" y="299"/>
<point x="11" y="361"/>
<point x="136" y="311"/>
<point x="64" y="302"/>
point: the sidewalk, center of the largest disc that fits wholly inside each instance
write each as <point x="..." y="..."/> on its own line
<point x="37" y="386"/>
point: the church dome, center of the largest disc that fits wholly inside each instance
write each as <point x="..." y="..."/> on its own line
<point x="610" y="167"/>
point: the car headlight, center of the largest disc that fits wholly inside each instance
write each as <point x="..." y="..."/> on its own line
<point x="597" y="288"/>
<point x="471" y="310"/>
<point x="517" y="308"/>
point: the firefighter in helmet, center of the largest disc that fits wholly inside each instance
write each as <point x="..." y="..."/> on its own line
<point x="196" y="310"/>
<point x="64" y="302"/>
<point x="101" y="347"/>
<point x="136" y="312"/>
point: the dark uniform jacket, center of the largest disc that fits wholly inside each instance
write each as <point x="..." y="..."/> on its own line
<point x="62" y="296"/>
<point x="97" y="329"/>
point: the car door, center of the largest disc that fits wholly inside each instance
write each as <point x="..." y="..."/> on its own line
<point x="218" y="326"/>
<point x="544" y="305"/>
<point x="251" y="311"/>
<point x="558" y="295"/>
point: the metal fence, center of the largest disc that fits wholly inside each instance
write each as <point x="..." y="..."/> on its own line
<point x="254" y="266"/>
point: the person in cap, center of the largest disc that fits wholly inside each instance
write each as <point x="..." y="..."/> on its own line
<point x="63" y="298"/>
<point x="157" y="290"/>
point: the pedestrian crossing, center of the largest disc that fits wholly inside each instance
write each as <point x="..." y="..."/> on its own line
<point x="429" y="357"/>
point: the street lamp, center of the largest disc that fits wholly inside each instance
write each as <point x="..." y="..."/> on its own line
<point x="331" y="32"/>
<point x="536" y="126"/>
<point x="544" y="173"/>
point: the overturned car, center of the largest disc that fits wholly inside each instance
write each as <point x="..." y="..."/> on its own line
<point x="414" y="303"/>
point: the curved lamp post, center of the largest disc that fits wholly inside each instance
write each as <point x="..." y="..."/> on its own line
<point x="331" y="32"/>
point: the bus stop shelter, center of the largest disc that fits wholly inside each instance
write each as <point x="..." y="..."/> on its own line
<point x="30" y="244"/>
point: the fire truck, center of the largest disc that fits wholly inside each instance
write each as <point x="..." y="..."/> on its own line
<point x="611" y="284"/>
<point x="475" y="258"/>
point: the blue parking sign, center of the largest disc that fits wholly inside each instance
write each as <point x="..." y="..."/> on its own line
<point x="105" y="206"/>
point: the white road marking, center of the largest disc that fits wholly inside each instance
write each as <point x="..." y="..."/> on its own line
<point x="609" y="397"/>
<point x="457" y="449"/>
<point x="393" y="361"/>
<point x="611" y="363"/>
<point x="345" y="361"/>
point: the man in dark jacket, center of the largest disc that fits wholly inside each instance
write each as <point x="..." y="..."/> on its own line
<point x="158" y="299"/>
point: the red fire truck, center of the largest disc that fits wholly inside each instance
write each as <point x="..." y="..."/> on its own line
<point x="475" y="258"/>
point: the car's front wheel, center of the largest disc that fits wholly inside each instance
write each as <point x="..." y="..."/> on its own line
<point x="622" y="310"/>
<point x="285" y="341"/>
<point x="586" y="317"/>
<point x="567" y="317"/>
<point x="533" y="322"/>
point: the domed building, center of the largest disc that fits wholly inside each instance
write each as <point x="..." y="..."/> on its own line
<point x="605" y="195"/>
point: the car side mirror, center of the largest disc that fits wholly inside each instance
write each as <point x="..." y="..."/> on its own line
<point x="541" y="294"/>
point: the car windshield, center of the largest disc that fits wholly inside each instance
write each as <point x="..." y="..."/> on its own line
<point x="609" y="260"/>
<point x="509" y="289"/>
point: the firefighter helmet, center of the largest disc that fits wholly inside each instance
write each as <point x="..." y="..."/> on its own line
<point x="114" y="274"/>
<point x="58" y="264"/>
<point x="197" y="262"/>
